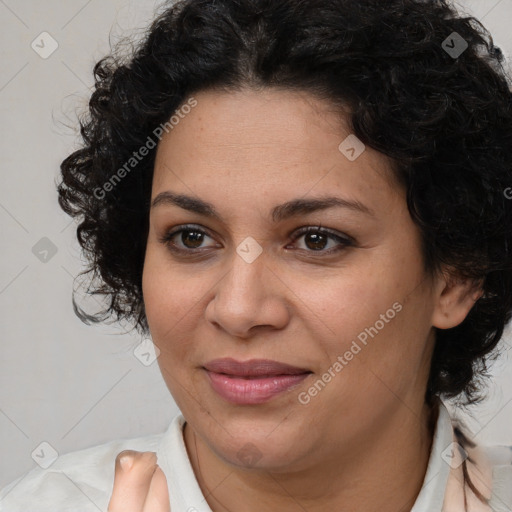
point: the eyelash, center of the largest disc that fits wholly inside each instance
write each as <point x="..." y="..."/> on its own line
<point x="344" y="241"/>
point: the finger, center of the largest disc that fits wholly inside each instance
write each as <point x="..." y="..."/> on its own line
<point x="157" y="499"/>
<point x="132" y="478"/>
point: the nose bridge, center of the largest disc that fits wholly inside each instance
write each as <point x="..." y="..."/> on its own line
<point x="245" y="279"/>
<point x="245" y="296"/>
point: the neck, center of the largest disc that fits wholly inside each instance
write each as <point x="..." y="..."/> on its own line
<point x="383" y="474"/>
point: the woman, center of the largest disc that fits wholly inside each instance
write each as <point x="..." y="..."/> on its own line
<point x="304" y="204"/>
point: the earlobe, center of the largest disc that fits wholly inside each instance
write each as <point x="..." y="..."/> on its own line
<point x="455" y="296"/>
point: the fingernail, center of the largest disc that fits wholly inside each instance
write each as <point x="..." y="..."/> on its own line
<point x="126" y="462"/>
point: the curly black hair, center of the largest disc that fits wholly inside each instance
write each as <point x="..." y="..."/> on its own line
<point x="424" y="85"/>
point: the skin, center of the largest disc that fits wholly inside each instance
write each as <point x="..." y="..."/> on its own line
<point x="139" y="484"/>
<point x="363" y="442"/>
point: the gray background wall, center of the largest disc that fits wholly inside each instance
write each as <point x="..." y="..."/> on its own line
<point x="63" y="382"/>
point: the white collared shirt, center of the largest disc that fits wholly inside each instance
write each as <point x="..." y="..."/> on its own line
<point x="83" y="480"/>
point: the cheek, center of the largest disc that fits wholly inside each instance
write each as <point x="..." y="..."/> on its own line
<point x="165" y="290"/>
<point x="173" y="301"/>
<point x="153" y="290"/>
<point x="376" y="315"/>
<point x="355" y="301"/>
<point x="164" y="298"/>
<point x="168" y="311"/>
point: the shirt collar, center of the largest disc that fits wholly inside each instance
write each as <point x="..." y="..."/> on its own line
<point x="172" y="456"/>
<point x="431" y="496"/>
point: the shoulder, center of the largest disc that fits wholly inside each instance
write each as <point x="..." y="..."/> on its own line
<point x="488" y="470"/>
<point x="80" y="480"/>
<point x="500" y="461"/>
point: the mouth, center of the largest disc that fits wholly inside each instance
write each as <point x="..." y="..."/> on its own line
<point x="252" y="382"/>
<point x="254" y="368"/>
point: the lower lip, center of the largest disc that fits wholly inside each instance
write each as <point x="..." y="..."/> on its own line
<point x="252" y="391"/>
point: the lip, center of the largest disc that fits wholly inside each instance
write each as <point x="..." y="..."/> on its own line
<point x="252" y="382"/>
<point x="253" y="367"/>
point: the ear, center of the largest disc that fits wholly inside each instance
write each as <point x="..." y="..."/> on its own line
<point x="454" y="298"/>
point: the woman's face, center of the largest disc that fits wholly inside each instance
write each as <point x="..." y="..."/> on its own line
<point x="246" y="284"/>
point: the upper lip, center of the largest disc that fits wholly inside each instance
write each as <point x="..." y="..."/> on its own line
<point x="253" y="367"/>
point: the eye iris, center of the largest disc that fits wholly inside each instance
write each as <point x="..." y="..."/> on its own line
<point x="197" y="238"/>
<point x="318" y="240"/>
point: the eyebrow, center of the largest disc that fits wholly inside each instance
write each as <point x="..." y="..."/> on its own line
<point x="279" y="213"/>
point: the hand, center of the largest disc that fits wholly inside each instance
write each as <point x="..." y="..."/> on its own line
<point x="139" y="484"/>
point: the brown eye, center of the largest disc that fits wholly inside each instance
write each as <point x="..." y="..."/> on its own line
<point x="190" y="239"/>
<point x="185" y="239"/>
<point x="194" y="241"/>
<point x="317" y="239"/>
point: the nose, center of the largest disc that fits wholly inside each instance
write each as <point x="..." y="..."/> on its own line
<point x="250" y="297"/>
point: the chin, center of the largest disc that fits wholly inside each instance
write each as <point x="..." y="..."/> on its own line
<point x="247" y="444"/>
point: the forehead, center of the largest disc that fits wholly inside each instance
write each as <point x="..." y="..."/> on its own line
<point x="269" y="141"/>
